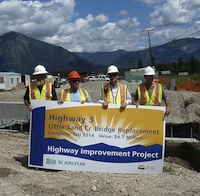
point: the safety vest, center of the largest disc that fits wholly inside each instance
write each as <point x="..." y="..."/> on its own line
<point x="65" y="95"/>
<point x="156" y="96"/>
<point x="108" y="96"/>
<point x="45" y="94"/>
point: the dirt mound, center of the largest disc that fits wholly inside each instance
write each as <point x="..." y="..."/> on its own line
<point x="185" y="105"/>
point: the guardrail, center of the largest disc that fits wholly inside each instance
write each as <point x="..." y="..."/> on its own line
<point x="12" y="113"/>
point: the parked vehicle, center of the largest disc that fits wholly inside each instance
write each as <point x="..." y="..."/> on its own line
<point x="63" y="81"/>
<point x="103" y="77"/>
<point x="89" y="78"/>
<point x="97" y="78"/>
<point x="56" y="80"/>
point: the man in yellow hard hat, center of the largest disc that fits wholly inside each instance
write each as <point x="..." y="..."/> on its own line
<point x="114" y="92"/>
<point x="151" y="93"/>
<point x="75" y="93"/>
<point x="39" y="89"/>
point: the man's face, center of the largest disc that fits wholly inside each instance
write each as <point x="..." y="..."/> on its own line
<point x="40" y="77"/>
<point x="113" y="76"/>
<point x="149" y="78"/>
<point x="74" y="83"/>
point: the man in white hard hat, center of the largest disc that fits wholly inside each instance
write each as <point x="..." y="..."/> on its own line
<point x="114" y="92"/>
<point x="151" y="93"/>
<point x="39" y="89"/>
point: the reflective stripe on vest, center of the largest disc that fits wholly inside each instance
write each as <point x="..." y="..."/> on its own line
<point x="45" y="94"/>
<point x="156" y="96"/>
<point x="108" y="96"/>
<point x="65" y="95"/>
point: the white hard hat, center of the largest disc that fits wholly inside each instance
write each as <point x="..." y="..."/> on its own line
<point x="112" y="69"/>
<point x="149" y="71"/>
<point x="40" y="69"/>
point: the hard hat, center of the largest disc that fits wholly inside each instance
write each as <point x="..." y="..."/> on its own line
<point x="73" y="75"/>
<point x="149" y="71"/>
<point x="112" y="69"/>
<point x="40" y="69"/>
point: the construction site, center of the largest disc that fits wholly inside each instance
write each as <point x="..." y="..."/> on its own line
<point x="182" y="145"/>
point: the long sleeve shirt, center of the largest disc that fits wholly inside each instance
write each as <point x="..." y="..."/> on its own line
<point x="114" y="93"/>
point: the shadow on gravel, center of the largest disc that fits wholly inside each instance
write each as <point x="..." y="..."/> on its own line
<point x="187" y="151"/>
<point x="5" y="172"/>
<point x="24" y="162"/>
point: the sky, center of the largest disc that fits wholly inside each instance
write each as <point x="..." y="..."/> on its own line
<point x="102" y="25"/>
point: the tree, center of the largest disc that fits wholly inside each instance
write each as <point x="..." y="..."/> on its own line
<point x="181" y="64"/>
<point x="139" y="65"/>
<point x="193" y="65"/>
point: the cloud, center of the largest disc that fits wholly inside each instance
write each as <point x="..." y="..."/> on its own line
<point x="151" y="1"/>
<point x="56" y="22"/>
<point x="175" y="12"/>
<point x="128" y="22"/>
<point x="122" y="13"/>
<point x="102" y="18"/>
<point x="35" y="18"/>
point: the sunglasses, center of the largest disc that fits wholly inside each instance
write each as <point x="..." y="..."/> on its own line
<point x="113" y="75"/>
<point x="74" y="81"/>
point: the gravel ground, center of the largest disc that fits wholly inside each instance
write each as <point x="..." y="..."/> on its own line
<point x="16" y="178"/>
<point x="92" y="87"/>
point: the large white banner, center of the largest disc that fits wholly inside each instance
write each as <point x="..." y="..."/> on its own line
<point x="87" y="137"/>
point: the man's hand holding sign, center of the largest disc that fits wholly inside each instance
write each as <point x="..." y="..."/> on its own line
<point x="72" y="136"/>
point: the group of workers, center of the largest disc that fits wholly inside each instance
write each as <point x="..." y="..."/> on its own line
<point x="113" y="92"/>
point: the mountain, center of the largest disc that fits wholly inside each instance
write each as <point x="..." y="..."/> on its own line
<point x="19" y="53"/>
<point x="102" y="58"/>
<point x="166" y="53"/>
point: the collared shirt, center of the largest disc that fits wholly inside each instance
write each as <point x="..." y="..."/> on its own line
<point x="150" y="91"/>
<point x="75" y="96"/>
<point x="114" y="93"/>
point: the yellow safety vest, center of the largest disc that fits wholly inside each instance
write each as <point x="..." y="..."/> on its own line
<point x="108" y="96"/>
<point x="156" y="96"/>
<point x="45" y="94"/>
<point x="65" y="95"/>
